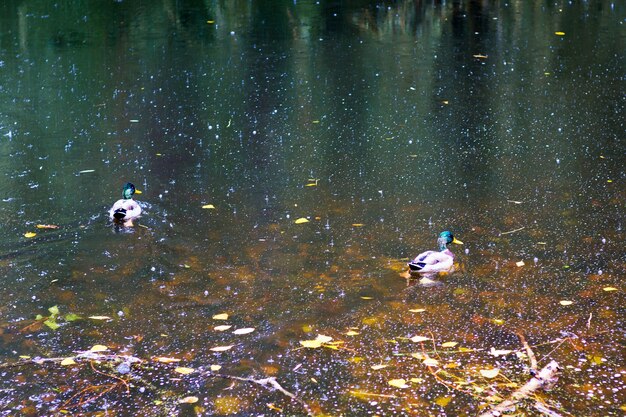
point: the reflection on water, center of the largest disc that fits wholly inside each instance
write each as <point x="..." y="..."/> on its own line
<point x="381" y="124"/>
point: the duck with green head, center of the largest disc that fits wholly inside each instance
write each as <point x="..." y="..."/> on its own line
<point x="126" y="209"/>
<point x="433" y="261"/>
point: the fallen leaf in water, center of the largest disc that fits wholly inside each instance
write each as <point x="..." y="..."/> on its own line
<point x="566" y="302"/>
<point x="222" y="327"/>
<point x="51" y="323"/>
<point x="358" y="224"/>
<point x="216" y="368"/>
<point x="419" y="339"/>
<point x="221" y="348"/>
<point x="351" y="333"/>
<point x="323" y="339"/>
<point x="490" y="373"/>
<point x="609" y="289"/>
<point x="98" y="348"/>
<point x="71" y="317"/>
<point x="377" y="367"/>
<point x="188" y="400"/>
<point x="443" y="401"/>
<point x="30" y="234"/>
<point x="520" y="263"/>
<point x="100" y="317"/>
<point x="47" y="226"/>
<point x="430" y="362"/>
<point x="67" y="362"/>
<point x="367" y="298"/>
<point x="559" y="33"/>
<point x="481" y="56"/>
<point x="245" y="330"/>
<point x="164" y="359"/>
<point x="54" y="310"/>
<point x="221" y="316"/>
<point x="312" y="344"/>
<point x="184" y="371"/>
<point x="208" y="206"/>
<point x="301" y="220"/>
<point x="499" y="352"/>
<point x="398" y="383"/>
<point x="86" y="171"/>
<point x="417" y="310"/>
<point x="449" y="344"/>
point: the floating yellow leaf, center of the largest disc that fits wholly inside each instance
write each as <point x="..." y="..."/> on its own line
<point x="490" y="373"/>
<point x="416" y="380"/>
<point x="215" y="368"/>
<point x="222" y="327"/>
<point x="184" y="371"/>
<point x="164" y="359"/>
<point x="418" y="355"/>
<point x="358" y="224"/>
<point x="98" y="348"/>
<point x="245" y="330"/>
<point x="367" y="298"/>
<point x="100" y="317"/>
<point x="449" y="344"/>
<point x="377" y="367"/>
<point x="498" y="321"/>
<point x="566" y="302"/>
<point x="481" y="56"/>
<point x="47" y="226"/>
<point x="417" y="310"/>
<point x="419" y="339"/>
<point x="609" y="289"/>
<point x="443" y="401"/>
<point x="221" y="316"/>
<point x="210" y="22"/>
<point x="301" y="220"/>
<point x="368" y="321"/>
<point x="313" y="344"/>
<point x="221" y="348"/>
<point x="351" y="333"/>
<point x="398" y="383"/>
<point x="430" y="362"/>
<point x="499" y="352"/>
<point x="188" y="400"/>
<point x="30" y="234"/>
<point x="323" y="339"/>
<point x="559" y="33"/>
<point x="68" y="362"/>
<point x="520" y="263"/>
<point x="208" y="206"/>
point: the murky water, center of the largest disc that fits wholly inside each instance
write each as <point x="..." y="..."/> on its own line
<point x="381" y="124"/>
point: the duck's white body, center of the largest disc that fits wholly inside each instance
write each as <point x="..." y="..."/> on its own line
<point x="432" y="261"/>
<point x="133" y="210"/>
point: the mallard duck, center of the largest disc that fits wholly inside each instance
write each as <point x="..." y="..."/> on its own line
<point x="432" y="261"/>
<point x="126" y="209"/>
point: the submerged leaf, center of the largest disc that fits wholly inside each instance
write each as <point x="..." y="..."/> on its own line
<point x="498" y="352"/>
<point x="98" y="348"/>
<point x="443" y="401"/>
<point x="184" y="371"/>
<point x="54" y="310"/>
<point x="490" y="373"/>
<point x="449" y="344"/>
<point x="67" y="362"/>
<point x="71" y="317"/>
<point x="100" y="317"/>
<point x="188" y="400"/>
<point x="430" y="362"/>
<point x="221" y="348"/>
<point x="244" y="330"/>
<point x="419" y="338"/>
<point x="312" y="344"/>
<point x="51" y="323"/>
<point x="398" y="383"/>
<point x="377" y="367"/>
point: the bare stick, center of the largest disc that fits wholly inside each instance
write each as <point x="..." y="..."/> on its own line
<point x="544" y="379"/>
<point x="512" y="231"/>
<point x="529" y="352"/>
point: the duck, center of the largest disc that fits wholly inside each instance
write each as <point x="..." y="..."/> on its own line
<point x="126" y="209"/>
<point x="432" y="261"/>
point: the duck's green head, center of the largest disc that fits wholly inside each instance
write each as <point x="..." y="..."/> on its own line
<point x="445" y="238"/>
<point x="129" y="190"/>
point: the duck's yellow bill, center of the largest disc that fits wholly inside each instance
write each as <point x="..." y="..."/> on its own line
<point x="137" y="191"/>
<point x="457" y="241"/>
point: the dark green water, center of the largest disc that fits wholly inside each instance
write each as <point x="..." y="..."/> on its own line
<point x="503" y="122"/>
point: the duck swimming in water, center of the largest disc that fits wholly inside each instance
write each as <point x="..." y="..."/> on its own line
<point x="126" y="209"/>
<point x="432" y="261"/>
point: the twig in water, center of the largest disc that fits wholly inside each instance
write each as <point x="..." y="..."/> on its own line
<point x="512" y="231"/>
<point x="529" y="352"/>
<point x="544" y="379"/>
